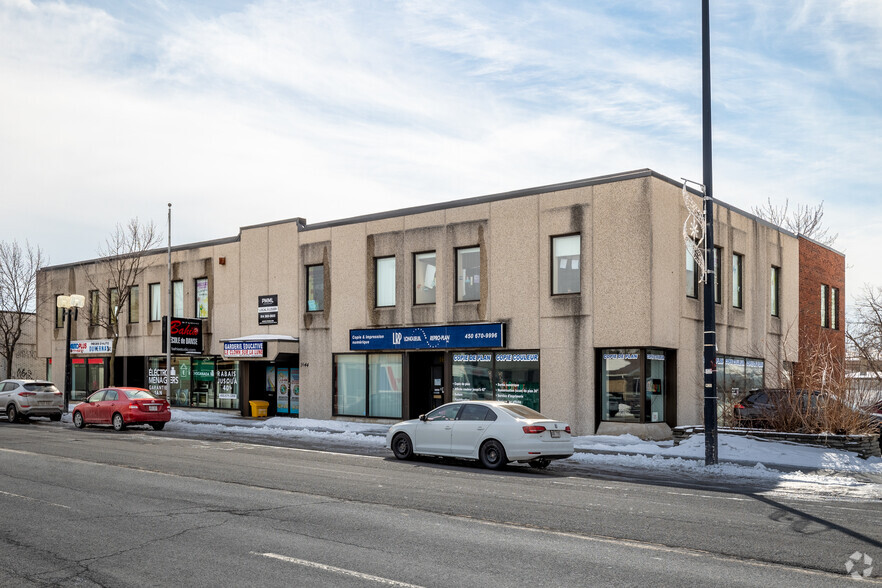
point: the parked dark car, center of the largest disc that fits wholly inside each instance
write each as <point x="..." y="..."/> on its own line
<point x="758" y="408"/>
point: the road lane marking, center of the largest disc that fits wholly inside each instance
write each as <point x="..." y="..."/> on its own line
<point x="342" y="571"/>
<point x="35" y="499"/>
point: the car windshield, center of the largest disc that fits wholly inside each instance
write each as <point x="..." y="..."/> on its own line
<point x="523" y="412"/>
<point x="41" y="387"/>
<point x="133" y="394"/>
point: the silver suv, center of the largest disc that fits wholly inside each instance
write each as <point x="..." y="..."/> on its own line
<point x="21" y="399"/>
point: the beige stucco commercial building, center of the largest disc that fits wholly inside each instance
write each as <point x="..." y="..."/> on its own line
<point x="578" y="299"/>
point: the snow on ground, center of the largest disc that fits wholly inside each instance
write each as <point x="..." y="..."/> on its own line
<point x="790" y="468"/>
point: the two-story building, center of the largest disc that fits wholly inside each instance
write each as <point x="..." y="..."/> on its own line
<point x="578" y="299"/>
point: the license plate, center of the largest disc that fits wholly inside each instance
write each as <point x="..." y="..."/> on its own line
<point x="44" y="402"/>
<point x="153" y="407"/>
<point x="555" y="434"/>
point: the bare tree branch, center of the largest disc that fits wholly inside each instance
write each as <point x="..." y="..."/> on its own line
<point x="18" y="293"/>
<point x="804" y="220"/>
<point x="865" y="329"/>
<point x="119" y="268"/>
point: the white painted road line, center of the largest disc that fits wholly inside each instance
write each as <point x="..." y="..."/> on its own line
<point x="327" y="568"/>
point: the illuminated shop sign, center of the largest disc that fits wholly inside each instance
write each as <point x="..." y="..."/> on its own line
<point x="446" y="337"/>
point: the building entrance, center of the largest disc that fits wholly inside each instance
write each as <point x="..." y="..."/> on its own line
<point x="425" y="382"/>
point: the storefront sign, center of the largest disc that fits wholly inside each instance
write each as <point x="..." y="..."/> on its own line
<point x="447" y="337"/>
<point x="186" y="335"/>
<point x="91" y="346"/>
<point x="268" y="309"/>
<point x="244" y="349"/>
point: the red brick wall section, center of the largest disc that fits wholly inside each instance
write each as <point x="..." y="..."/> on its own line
<point x="819" y="265"/>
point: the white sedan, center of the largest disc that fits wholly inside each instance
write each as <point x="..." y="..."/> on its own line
<point x="492" y="432"/>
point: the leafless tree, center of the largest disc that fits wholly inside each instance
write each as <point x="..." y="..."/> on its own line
<point x="803" y="220"/>
<point x="18" y="293"/>
<point x="119" y="268"/>
<point x="865" y="329"/>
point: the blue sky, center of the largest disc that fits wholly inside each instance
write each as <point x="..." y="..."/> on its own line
<point x="242" y="113"/>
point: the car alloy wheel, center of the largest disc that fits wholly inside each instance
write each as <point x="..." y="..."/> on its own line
<point x="11" y="413"/>
<point x="401" y="446"/>
<point x="118" y="422"/>
<point x="492" y="455"/>
<point x="78" y="421"/>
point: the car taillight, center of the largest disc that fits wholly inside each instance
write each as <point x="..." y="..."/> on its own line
<point x="533" y="429"/>
<point x="134" y="406"/>
<point x="739" y="405"/>
<point x="567" y="429"/>
<point x="57" y="393"/>
<point x="27" y="393"/>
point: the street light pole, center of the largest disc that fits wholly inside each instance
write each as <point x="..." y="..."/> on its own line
<point x="710" y="326"/>
<point x="69" y="306"/>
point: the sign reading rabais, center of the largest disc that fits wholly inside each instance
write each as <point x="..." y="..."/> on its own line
<point x="244" y="349"/>
<point x="186" y="335"/>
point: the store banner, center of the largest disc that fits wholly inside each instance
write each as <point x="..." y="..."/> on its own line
<point x="268" y="309"/>
<point x="244" y="349"/>
<point x="446" y="337"/>
<point x="186" y="335"/>
<point x="91" y="346"/>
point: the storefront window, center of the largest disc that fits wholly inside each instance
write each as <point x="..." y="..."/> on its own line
<point x="181" y="374"/>
<point x="516" y="378"/>
<point x="228" y="384"/>
<point x="471" y="376"/>
<point x="424" y="278"/>
<point x="655" y="386"/>
<point x="385" y="385"/>
<point x="620" y="385"/>
<point x="203" y="382"/>
<point x="156" y="376"/>
<point x="734" y="378"/>
<point x="351" y="385"/>
<point x="87" y="376"/>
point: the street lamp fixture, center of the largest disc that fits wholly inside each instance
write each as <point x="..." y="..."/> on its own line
<point x="69" y="304"/>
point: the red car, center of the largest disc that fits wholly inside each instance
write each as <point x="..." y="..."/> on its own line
<point x="121" y="407"/>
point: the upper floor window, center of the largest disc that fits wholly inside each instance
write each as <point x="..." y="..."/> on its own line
<point x="385" y="270"/>
<point x="718" y="281"/>
<point x="825" y="315"/>
<point x="691" y="271"/>
<point x="834" y="309"/>
<point x="201" y="310"/>
<point x="113" y="306"/>
<point x="737" y="280"/>
<point x="315" y="288"/>
<point x="94" y="307"/>
<point x="178" y="298"/>
<point x="468" y="274"/>
<point x="424" y="270"/>
<point x="155" y="302"/>
<point x="565" y="270"/>
<point x="774" y="280"/>
<point x="59" y="313"/>
<point x="134" y="305"/>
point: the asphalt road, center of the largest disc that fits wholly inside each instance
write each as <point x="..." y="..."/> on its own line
<point x="143" y="508"/>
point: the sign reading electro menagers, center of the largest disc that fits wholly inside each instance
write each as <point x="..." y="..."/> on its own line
<point x="447" y="337"/>
<point x="186" y="335"/>
<point x="268" y="309"/>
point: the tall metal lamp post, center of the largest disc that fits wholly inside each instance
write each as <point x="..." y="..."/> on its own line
<point x="69" y="306"/>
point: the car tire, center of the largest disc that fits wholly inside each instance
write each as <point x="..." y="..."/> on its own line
<point x="492" y="455"/>
<point x="78" y="420"/>
<point x="118" y="423"/>
<point x="11" y="413"/>
<point x="402" y="446"/>
<point x="157" y="426"/>
<point x="540" y="464"/>
<point x="55" y="417"/>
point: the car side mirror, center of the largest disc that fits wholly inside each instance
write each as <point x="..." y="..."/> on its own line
<point x="423" y="417"/>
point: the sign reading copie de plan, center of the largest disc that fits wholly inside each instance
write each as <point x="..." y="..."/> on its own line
<point x="446" y="337"/>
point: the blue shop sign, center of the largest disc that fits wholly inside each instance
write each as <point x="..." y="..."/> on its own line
<point x="447" y="337"/>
